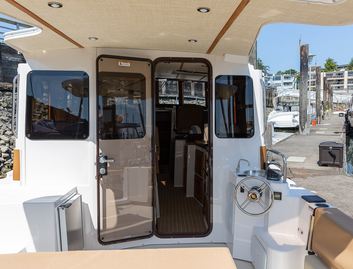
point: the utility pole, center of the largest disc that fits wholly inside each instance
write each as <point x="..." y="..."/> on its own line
<point x="303" y="89"/>
<point x="318" y="94"/>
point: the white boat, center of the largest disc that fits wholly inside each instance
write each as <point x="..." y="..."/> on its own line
<point x="140" y="124"/>
<point x="282" y="119"/>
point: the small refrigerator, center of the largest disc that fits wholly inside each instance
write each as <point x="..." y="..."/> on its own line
<point x="70" y="223"/>
<point x="55" y="222"/>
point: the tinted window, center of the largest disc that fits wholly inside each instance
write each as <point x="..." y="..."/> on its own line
<point x="122" y="105"/>
<point x="234" y="115"/>
<point x="194" y="92"/>
<point x="57" y="105"/>
<point x="168" y="92"/>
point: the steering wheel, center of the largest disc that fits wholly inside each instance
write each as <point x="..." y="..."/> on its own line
<point x="253" y="195"/>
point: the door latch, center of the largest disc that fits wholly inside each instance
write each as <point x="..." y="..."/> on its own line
<point x="103" y="164"/>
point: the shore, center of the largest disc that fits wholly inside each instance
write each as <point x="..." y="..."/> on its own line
<point x="303" y="153"/>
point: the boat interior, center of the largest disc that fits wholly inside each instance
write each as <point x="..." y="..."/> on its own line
<point x="182" y="116"/>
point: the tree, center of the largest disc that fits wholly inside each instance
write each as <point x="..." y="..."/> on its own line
<point x="290" y="71"/>
<point x="261" y="66"/>
<point x="350" y="65"/>
<point x="330" y="65"/>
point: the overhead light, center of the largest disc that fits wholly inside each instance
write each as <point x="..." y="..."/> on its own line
<point x="93" y="38"/>
<point x="192" y="40"/>
<point x="203" y="9"/>
<point x="55" y="4"/>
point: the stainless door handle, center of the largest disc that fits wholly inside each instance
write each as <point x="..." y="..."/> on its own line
<point x="104" y="160"/>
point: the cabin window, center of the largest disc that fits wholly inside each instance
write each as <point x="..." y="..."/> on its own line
<point x="179" y="92"/>
<point x="57" y="105"/>
<point x="234" y="105"/>
<point x="122" y="105"/>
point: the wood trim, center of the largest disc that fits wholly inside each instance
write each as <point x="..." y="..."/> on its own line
<point x="43" y="22"/>
<point x="228" y="24"/>
<point x="263" y="151"/>
<point x="16" y="165"/>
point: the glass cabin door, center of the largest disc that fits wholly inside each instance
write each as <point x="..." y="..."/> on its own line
<point x="124" y="155"/>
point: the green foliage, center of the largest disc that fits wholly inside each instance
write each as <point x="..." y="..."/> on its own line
<point x="261" y="66"/>
<point x="290" y="71"/>
<point x="330" y="65"/>
<point x="350" y="65"/>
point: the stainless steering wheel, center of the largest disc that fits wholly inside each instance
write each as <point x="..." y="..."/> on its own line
<point x="253" y="195"/>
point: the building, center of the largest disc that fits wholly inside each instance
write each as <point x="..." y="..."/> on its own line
<point x="9" y="59"/>
<point x="340" y="81"/>
<point x="281" y="82"/>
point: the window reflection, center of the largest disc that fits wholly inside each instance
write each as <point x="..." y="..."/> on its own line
<point x="57" y="105"/>
<point x="122" y="105"/>
<point x="234" y="107"/>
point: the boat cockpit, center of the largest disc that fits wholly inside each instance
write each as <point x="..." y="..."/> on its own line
<point x="132" y="134"/>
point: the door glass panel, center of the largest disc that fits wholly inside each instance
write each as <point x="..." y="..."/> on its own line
<point x="124" y="129"/>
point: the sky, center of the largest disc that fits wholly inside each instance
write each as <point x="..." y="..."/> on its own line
<point x="278" y="44"/>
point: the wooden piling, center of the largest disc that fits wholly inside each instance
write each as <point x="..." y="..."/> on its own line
<point x="303" y="88"/>
<point x="318" y="94"/>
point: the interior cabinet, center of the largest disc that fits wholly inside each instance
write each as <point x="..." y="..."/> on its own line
<point x="197" y="173"/>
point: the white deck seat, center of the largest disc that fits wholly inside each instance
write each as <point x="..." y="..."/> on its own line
<point x="277" y="251"/>
<point x="171" y="258"/>
<point x="314" y="262"/>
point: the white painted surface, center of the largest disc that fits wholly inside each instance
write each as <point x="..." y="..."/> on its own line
<point x="54" y="167"/>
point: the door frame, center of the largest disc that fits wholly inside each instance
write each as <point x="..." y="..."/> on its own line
<point x="210" y="136"/>
<point x="98" y="178"/>
<point x="154" y="95"/>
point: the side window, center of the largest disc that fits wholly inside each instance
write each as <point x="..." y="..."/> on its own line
<point x="234" y="107"/>
<point x="57" y="105"/>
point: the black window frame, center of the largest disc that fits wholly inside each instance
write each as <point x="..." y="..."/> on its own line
<point x="28" y="117"/>
<point x="253" y="103"/>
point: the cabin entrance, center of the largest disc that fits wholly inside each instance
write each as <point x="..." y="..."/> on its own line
<point x="183" y="157"/>
<point x="167" y="190"/>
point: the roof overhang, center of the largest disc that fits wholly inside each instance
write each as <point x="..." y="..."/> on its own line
<point x="231" y="27"/>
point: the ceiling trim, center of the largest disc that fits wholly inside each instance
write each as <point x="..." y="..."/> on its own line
<point x="43" y="22"/>
<point x="228" y="24"/>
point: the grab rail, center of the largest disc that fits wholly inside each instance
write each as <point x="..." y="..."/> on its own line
<point x="284" y="161"/>
<point x="15" y="87"/>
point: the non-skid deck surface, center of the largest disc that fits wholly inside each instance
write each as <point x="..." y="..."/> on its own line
<point x="178" y="214"/>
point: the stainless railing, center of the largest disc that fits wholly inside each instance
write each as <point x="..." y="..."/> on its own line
<point x="284" y="163"/>
<point x="14" y="105"/>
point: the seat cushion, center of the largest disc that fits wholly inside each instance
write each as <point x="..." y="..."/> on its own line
<point x="332" y="237"/>
<point x="171" y="258"/>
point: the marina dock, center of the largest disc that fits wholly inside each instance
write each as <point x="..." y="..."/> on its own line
<point x="303" y="153"/>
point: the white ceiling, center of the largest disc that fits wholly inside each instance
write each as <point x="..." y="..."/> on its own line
<point x="166" y="24"/>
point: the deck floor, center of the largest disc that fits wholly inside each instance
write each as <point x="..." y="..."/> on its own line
<point x="179" y="214"/>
